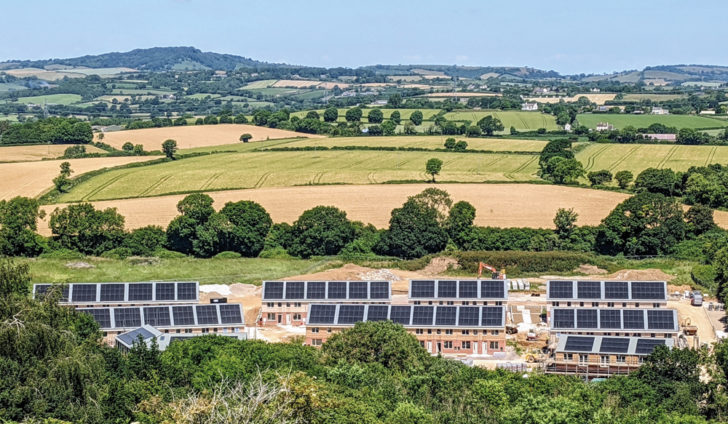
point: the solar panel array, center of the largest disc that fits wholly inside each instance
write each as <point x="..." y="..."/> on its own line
<point x="164" y="316"/>
<point x="85" y="293"/>
<point x="408" y="315"/>
<point x="589" y="290"/>
<point x="594" y="319"/>
<point x="610" y="345"/>
<point x="458" y="289"/>
<point x="322" y="291"/>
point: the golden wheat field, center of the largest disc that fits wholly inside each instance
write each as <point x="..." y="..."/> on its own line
<point x="38" y="152"/>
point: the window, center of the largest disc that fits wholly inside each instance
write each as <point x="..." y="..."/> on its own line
<point x="288" y="304"/>
<point x="447" y="345"/>
<point x="419" y="331"/>
<point x="315" y="330"/>
<point x="270" y="304"/>
<point x="429" y="331"/>
<point x="555" y="303"/>
<point x="595" y="304"/>
<point x="604" y="359"/>
<point x="448" y="332"/>
<point x="316" y="342"/>
<point x="610" y="304"/>
<point x="636" y="305"/>
<point x="620" y="359"/>
<point x="214" y="330"/>
<point x="498" y="303"/>
<point x="583" y="359"/>
<point x="422" y="343"/>
<point x="655" y="305"/>
<point x="280" y="304"/>
<point x="297" y="304"/>
<point x="271" y="317"/>
<point x="438" y="331"/>
<point x="178" y="331"/>
<point x="465" y="345"/>
<point x="205" y="330"/>
<point x="475" y="332"/>
<point x="624" y="304"/>
<point x="296" y="317"/>
<point x="495" y="332"/>
<point x="466" y="303"/>
<point x="417" y="302"/>
<point x="569" y="356"/>
<point x="328" y="330"/>
<point x="641" y="359"/>
<point x="188" y="330"/>
<point x="465" y="332"/>
<point x="494" y="345"/>
<point x="581" y="303"/>
<point x="450" y="302"/>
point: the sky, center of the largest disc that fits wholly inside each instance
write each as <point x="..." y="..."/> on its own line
<point x="567" y="36"/>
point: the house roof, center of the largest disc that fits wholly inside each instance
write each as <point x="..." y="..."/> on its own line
<point x="147" y="332"/>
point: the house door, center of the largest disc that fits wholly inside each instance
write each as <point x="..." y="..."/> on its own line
<point x="439" y="347"/>
<point x="279" y="318"/>
<point x="288" y="319"/>
<point x="429" y="347"/>
<point x="475" y="348"/>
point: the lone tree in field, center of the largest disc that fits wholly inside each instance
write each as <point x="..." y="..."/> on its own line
<point x="169" y="147"/>
<point x="101" y="136"/>
<point x="245" y="137"/>
<point x="416" y="117"/>
<point x="489" y="125"/>
<point x="433" y="167"/>
<point x="331" y="114"/>
<point x="62" y="180"/>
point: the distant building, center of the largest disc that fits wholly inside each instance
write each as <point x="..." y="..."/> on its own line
<point x="125" y="341"/>
<point x="604" y="126"/>
<point x="529" y="106"/>
<point x="595" y="90"/>
<point x="602" y="108"/>
<point x="707" y="112"/>
<point x="656" y="110"/>
<point x="567" y="127"/>
<point x="662" y="137"/>
<point x="540" y="90"/>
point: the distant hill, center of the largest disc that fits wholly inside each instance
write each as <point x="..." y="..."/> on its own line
<point x="465" y="71"/>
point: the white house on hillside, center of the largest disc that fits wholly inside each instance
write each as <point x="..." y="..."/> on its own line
<point x="656" y="110"/>
<point x="529" y="106"/>
<point x="604" y="126"/>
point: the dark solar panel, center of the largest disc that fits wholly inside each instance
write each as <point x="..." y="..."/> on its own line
<point x="101" y="316"/>
<point x="316" y="290"/>
<point x="469" y="316"/>
<point x="492" y="289"/>
<point x="112" y="292"/>
<point x="447" y="288"/>
<point x="587" y="318"/>
<point x="422" y="315"/>
<point x="377" y="312"/>
<point x="446" y="315"/>
<point x="83" y="293"/>
<point x="379" y="290"/>
<point x="614" y="345"/>
<point x="648" y="290"/>
<point x="164" y="291"/>
<point x="492" y="316"/>
<point x="206" y="314"/>
<point x="183" y="315"/>
<point x="579" y="344"/>
<point x="295" y="289"/>
<point x="140" y="292"/>
<point x="561" y="289"/>
<point x="468" y="289"/>
<point x="230" y="314"/>
<point x="633" y="319"/>
<point x="422" y="289"/>
<point x="273" y="290"/>
<point x="660" y="320"/>
<point x="322" y="314"/>
<point x="337" y="289"/>
<point x="589" y="289"/>
<point x="646" y="346"/>
<point x="610" y="318"/>
<point x="616" y="290"/>
<point x="350" y="314"/>
<point x="400" y="314"/>
<point x="358" y="290"/>
<point x="127" y="317"/>
<point x="40" y="290"/>
<point x="562" y="318"/>
<point x="186" y="291"/>
<point x="157" y="316"/>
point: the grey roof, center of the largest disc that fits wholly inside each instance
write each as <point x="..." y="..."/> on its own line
<point x="150" y="333"/>
<point x="415" y="316"/>
<point x="598" y="341"/>
<point x="465" y="289"/>
<point x="125" y="292"/>
<point x="655" y="320"/>
<point x="606" y="291"/>
<point x="168" y="316"/>
<point x="327" y="291"/>
<point x="147" y="332"/>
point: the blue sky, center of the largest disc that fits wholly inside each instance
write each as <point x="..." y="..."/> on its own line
<point x="566" y="36"/>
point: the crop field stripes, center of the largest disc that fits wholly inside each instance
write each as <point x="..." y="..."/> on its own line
<point x="262" y="180"/>
<point x="711" y="155"/>
<point x="371" y="179"/>
<point x="667" y="157"/>
<point x="101" y="187"/>
<point x="592" y="158"/>
<point x="623" y="158"/>
<point x="510" y="175"/>
<point x="317" y="178"/>
<point x="210" y="180"/>
<point x="155" y="185"/>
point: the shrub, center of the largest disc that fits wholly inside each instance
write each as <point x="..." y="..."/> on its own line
<point x="61" y="253"/>
<point x="705" y="276"/>
<point x="228" y="255"/>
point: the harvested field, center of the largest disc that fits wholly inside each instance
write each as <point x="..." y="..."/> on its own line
<point x="598" y="98"/>
<point x="33" y="178"/>
<point x="295" y="83"/>
<point x="38" y="152"/>
<point x="196" y="135"/>
<point x="331" y="85"/>
<point x="426" y="142"/>
<point x="462" y="95"/>
<point x="643" y="121"/>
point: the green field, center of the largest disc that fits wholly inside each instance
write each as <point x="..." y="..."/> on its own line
<point x="427" y="114"/>
<point x="643" y="121"/>
<point x="200" y="96"/>
<point x="637" y="157"/>
<point x="425" y="142"/>
<point x="8" y="86"/>
<point x="259" y="84"/>
<point x="58" y="99"/>
<point x="522" y="121"/>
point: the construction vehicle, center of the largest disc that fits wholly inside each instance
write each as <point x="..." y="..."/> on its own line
<point x="532" y="357"/>
<point x="494" y="272"/>
<point x="688" y="328"/>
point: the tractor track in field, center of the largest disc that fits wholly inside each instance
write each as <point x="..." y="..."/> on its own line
<point x="370" y="178"/>
<point x="98" y="189"/>
<point x="623" y="158"/>
<point x="210" y="180"/>
<point x="262" y="180"/>
<point x="511" y="176"/>
<point x="592" y="158"/>
<point x="667" y="157"/>
<point x="711" y="155"/>
<point x="155" y="185"/>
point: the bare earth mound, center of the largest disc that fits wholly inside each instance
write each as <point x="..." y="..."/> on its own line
<point x="196" y="135"/>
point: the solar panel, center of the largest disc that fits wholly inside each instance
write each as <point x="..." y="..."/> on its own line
<point x="101" y="315"/>
<point x="589" y="289"/>
<point x="230" y="314"/>
<point x="42" y="289"/>
<point x="492" y="316"/>
<point x="183" y="315"/>
<point x="616" y="290"/>
<point x="358" y="290"/>
<point x="350" y="314"/>
<point x="579" y="344"/>
<point x="337" y="289"/>
<point x="206" y="314"/>
<point x="186" y="291"/>
<point x="561" y="289"/>
<point x="273" y="290"/>
<point x="83" y="293"/>
<point x="468" y="289"/>
<point x="660" y="320"/>
<point x="112" y="292"/>
<point x="164" y="291"/>
<point x="127" y="317"/>
<point x="610" y="318"/>
<point x="422" y="289"/>
<point x="316" y="290"/>
<point x="646" y="346"/>
<point x="157" y="316"/>
<point x="377" y="312"/>
<point x="322" y="314"/>
<point x="295" y="289"/>
<point x="140" y="292"/>
<point x="400" y="314"/>
<point x="633" y="319"/>
<point x="422" y="315"/>
<point x="446" y="315"/>
<point x="492" y="289"/>
<point x="447" y="288"/>
<point x="648" y="290"/>
<point x="563" y="318"/>
<point x="469" y="316"/>
<point x="614" y="345"/>
<point x="587" y="318"/>
<point x="379" y="290"/>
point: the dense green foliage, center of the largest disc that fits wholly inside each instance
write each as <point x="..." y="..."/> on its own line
<point x="51" y="130"/>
